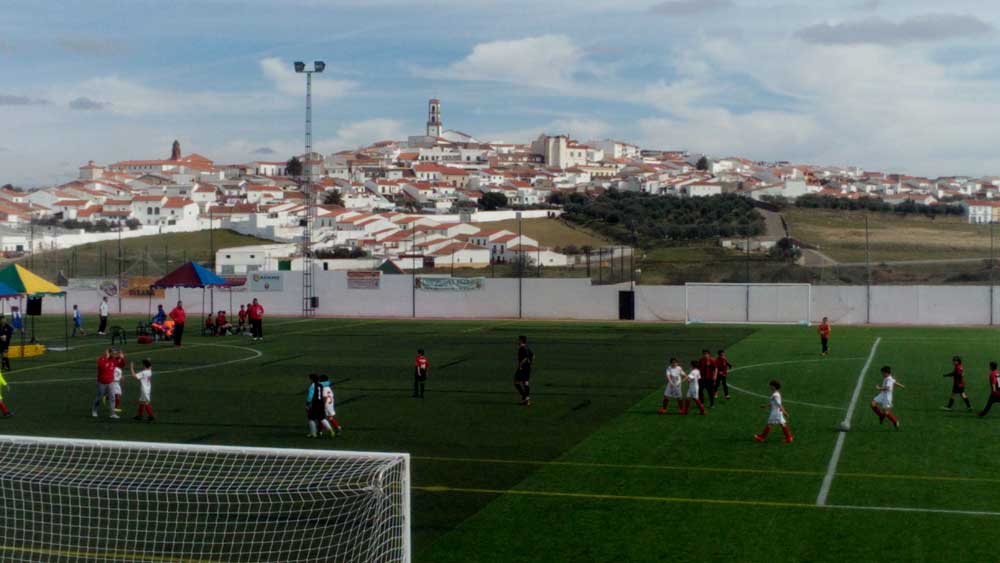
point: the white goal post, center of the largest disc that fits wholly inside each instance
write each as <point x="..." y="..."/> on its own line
<point x="763" y="303"/>
<point x="97" y="500"/>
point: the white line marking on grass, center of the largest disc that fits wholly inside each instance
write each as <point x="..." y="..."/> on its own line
<point x="787" y="362"/>
<point x="831" y="469"/>
<point x="256" y="354"/>
<point x="688" y="500"/>
<point x="790" y="402"/>
<point x="912" y="509"/>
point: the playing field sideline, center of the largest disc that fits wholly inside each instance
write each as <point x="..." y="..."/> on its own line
<point x="591" y="472"/>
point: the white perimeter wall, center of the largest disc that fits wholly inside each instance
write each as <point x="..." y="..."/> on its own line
<point x="579" y="299"/>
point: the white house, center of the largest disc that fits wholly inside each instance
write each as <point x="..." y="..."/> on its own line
<point x="981" y="211"/>
<point x="178" y="211"/>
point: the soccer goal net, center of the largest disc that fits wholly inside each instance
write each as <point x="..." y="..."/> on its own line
<point x="84" y="500"/>
<point x="776" y="303"/>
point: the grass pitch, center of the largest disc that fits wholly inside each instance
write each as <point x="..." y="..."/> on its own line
<point x="591" y="472"/>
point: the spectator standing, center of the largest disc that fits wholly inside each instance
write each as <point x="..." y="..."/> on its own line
<point x="256" y="314"/>
<point x="178" y="315"/>
<point x="103" y="326"/>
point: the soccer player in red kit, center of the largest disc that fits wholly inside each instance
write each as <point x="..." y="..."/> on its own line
<point x="994" y="390"/>
<point x="722" y="367"/>
<point x="421" y="368"/>
<point x="957" y="376"/>
<point x="824" y="335"/>
<point x="706" y="365"/>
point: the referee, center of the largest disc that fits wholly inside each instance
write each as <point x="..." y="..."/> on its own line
<point x="522" y="375"/>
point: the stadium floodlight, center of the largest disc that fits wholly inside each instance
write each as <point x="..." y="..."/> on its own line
<point x="318" y="66"/>
<point x="102" y="500"/>
<point x="300" y="66"/>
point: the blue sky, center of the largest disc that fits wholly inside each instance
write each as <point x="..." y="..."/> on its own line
<point x="900" y="85"/>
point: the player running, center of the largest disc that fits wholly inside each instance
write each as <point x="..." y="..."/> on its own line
<point x="882" y="403"/>
<point x="522" y="375"/>
<point x="957" y="376"/>
<point x="994" y="390"/>
<point x="722" y="367"/>
<point x="824" y="336"/>
<point x="145" y="378"/>
<point x="674" y="376"/>
<point x="421" y="368"/>
<point x="778" y="415"/>
<point x="329" y="405"/>
<point x="706" y="366"/>
<point x="693" y="378"/>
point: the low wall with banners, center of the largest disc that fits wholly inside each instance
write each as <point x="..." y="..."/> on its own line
<point x="373" y="294"/>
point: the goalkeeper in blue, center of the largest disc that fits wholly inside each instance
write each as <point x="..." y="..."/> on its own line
<point x="316" y="408"/>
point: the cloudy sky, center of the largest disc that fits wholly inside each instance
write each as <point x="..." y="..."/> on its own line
<point x="898" y="85"/>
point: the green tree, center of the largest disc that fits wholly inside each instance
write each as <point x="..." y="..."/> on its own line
<point x="492" y="201"/>
<point x="333" y="197"/>
<point x="293" y="167"/>
<point x="702" y="163"/>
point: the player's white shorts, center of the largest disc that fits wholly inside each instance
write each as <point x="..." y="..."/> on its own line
<point x="693" y="392"/>
<point x="329" y="410"/>
<point x="116" y="388"/>
<point x="776" y="418"/>
<point x="883" y="401"/>
<point x="672" y="391"/>
<point x="144" y="397"/>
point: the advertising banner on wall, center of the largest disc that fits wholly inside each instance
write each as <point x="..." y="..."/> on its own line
<point x="363" y="279"/>
<point x="450" y="284"/>
<point x="265" y="281"/>
<point x="136" y="287"/>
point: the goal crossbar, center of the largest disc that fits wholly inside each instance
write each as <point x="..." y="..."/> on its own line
<point x="748" y="303"/>
<point x="101" y="499"/>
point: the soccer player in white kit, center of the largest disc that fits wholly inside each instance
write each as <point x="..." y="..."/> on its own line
<point x="116" y="390"/>
<point x="675" y="375"/>
<point x="882" y="403"/>
<point x="329" y="405"/>
<point x="145" y="378"/>
<point x="693" y="378"/>
<point x="777" y="416"/>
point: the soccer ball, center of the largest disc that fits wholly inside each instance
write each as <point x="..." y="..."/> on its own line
<point x="844" y="426"/>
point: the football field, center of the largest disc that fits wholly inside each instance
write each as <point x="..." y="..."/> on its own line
<point x="591" y="471"/>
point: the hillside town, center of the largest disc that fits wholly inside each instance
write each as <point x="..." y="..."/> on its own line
<point x="426" y="197"/>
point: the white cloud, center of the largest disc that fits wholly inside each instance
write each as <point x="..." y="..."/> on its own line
<point x="867" y="105"/>
<point x="879" y="31"/>
<point x="125" y="97"/>
<point x="350" y="136"/>
<point x="545" y="61"/>
<point x="689" y="7"/>
<point x="580" y="128"/>
<point x="287" y="81"/>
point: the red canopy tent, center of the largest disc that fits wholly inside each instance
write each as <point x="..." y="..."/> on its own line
<point x="191" y="274"/>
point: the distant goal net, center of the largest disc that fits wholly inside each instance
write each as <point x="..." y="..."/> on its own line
<point x="765" y="303"/>
<point x="89" y="500"/>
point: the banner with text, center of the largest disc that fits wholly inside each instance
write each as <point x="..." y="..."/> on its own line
<point x="364" y="279"/>
<point x="137" y="287"/>
<point x="270" y="281"/>
<point x="450" y="284"/>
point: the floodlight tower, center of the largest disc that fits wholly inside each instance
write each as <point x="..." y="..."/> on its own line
<point x="308" y="292"/>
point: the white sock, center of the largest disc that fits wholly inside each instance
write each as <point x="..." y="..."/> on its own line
<point x="325" y="424"/>
<point x="312" y="428"/>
